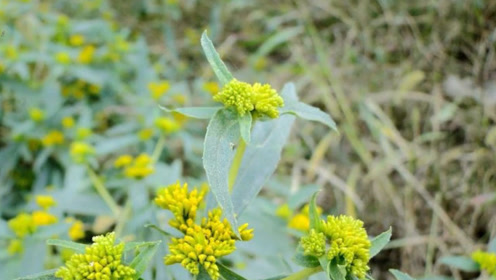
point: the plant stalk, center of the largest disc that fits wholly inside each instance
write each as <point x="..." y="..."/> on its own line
<point x="158" y="148"/>
<point x="103" y="192"/>
<point x="233" y="172"/>
<point x="303" y="274"/>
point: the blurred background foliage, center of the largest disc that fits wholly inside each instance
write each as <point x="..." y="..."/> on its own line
<point x="411" y="85"/>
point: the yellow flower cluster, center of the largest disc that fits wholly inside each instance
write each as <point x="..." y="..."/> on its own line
<point x="43" y="218"/>
<point x="347" y="241"/>
<point x="86" y="54"/>
<point x="76" y="40"/>
<point x="36" y="114"/>
<point x="202" y="243"/>
<point x="100" y="261"/>
<point x="299" y="221"/>
<point x="211" y="87"/>
<point x="145" y="134"/>
<point x="76" y="231"/>
<point x="22" y="225"/>
<point x="80" y="151"/>
<point x="486" y="261"/>
<point x="157" y="89"/>
<point x="45" y="201"/>
<point x="68" y="122"/>
<point x="261" y="100"/>
<point x="167" y="125"/>
<point x="136" y="168"/>
<point x="62" y="58"/>
<point x="53" y="138"/>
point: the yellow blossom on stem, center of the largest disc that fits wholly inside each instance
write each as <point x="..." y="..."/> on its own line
<point x="141" y="167"/>
<point x="76" y="231"/>
<point x="314" y="244"/>
<point x="62" y="58"/>
<point x="284" y="211"/>
<point x="167" y="125"/>
<point x="266" y="100"/>
<point x="486" y="261"/>
<point x="54" y="137"/>
<point x="101" y="260"/>
<point x="76" y="40"/>
<point x="300" y="222"/>
<point x="45" y="201"/>
<point x="36" y="114"/>
<point x="15" y="247"/>
<point x="211" y="87"/>
<point x="86" y="54"/>
<point x="67" y="122"/>
<point x="22" y="225"/>
<point x="43" y="218"/>
<point x="123" y="161"/>
<point x="145" y="134"/>
<point x="157" y="89"/>
<point x="80" y="151"/>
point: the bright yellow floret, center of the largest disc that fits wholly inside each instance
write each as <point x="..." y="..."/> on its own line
<point x="145" y="134"/>
<point x="141" y="167"/>
<point x="486" y="261"/>
<point x="22" y="225"/>
<point x="43" y="218"/>
<point x="167" y="125"/>
<point x="76" y="40"/>
<point x="76" y="231"/>
<point x="67" y="122"/>
<point x="100" y="261"/>
<point x="123" y="161"/>
<point x="36" y="114"/>
<point x="53" y="138"/>
<point x="45" y="201"/>
<point x="314" y="244"/>
<point x="158" y="89"/>
<point x="80" y="151"/>
<point x="62" y="58"/>
<point x="86" y="54"/>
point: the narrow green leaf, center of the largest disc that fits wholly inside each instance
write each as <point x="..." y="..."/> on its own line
<point x="379" y="242"/>
<point x="315" y="220"/>
<point x="461" y="262"/>
<point x="203" y="275"/>
<point x="245" y="122"/>
<point x="128" y="246"/>
<point x="157" y="228"/>
<point x="140" y="262"/>
<point x="45" y="275"/>
<point x="400" y="275"/>
<point x="336" y="272"/>
<point x="491" y="247"/>
<point x="310" y="113"/>
<point x="263" y="154"/>
<point x="213" y="58"/>
<point x="194" y="112"/>
<point x="76" y="247"/>
<point x="306" y="261"/>
<point x="222" y="134"/>
<point x="228" y="274"/>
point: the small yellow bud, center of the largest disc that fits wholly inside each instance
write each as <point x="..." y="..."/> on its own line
<point x="45" y="201"/>
<point x="67" y="122"/>
<point x="42" y="218"/>
<point x="36" y="114"/>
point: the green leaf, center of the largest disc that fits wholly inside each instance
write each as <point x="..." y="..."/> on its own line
<point x="400" y="275"/>
<point x="306" y="261"/>
<point x="228" y="274"/>
<point x="45" y="275"/>
<point x="140" y="262"/>
<point x="262" y="155"/>
<point x="461" y="262"/>
<point x="280" y="277"/>
<point x="491" y="247"/>
<point x="213" y="58"/>
<point x="194" y="112"/>
<point x="203" y="275"/>
<point x="310" y="113"/>
<point x="314" y="216"/>
<point x="157" y="228"/>
<point x="76" y="247"/>
<point x="336" y="271"/>
<point x="324" y="263"/>
<point x="128" y="246"/>
<point x="379" y="242"/>
<point x="245" y="122"/>
<point x="222" y="133"/>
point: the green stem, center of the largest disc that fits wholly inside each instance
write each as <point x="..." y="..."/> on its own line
<point x="303" y="274"/>
<point x="122" y="219"/>
<point x="158" y="148"/>
<point x="233" y="172"/>
<point x="102" y="191"/>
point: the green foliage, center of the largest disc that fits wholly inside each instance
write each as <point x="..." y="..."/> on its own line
<point x="379" y="242"/>
<point x="460" y="262"/>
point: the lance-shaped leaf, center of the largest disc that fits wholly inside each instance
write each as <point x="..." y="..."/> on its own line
<point x="379" y="242"/>
<point x="194" y="112"/>
<point x="461" y="262"/>
<point x="315" y="221"/>
<point x="76" y="247"/>
<point x="400" y="275"/>
<point x="245" y="127"/>
<point x="305" y="261"/>
<point x="45" y="275"/>
<point x="228" y="274"/>
<point x="140" y="262"/>
<point x="263" y="154"/>
<point x="307" y="112"/>
<point x="222" y="134"/>
<point x="213" y="58"/>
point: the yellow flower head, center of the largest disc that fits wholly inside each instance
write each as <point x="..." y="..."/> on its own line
<point x="284" y="211"/>
<point x="54" y="137"/>
<point x="123" y="161"/>
<point x="36" y="114"/>
<point x="158" y="89"/>
<point x="11" y="52"/>
<point x="15" y="247"/>
<point x="486" y="261"/>
<point x="62" y="58"/>
<point x="45" y="201"/>
<point x="76" y="40"/>
<point x="203" y="244"/>
<point x="80" y="151"/>
<point x="260" y="99"/>
<point x="101" y="260"/>
<point x="141" y="167"/>
<point x="314" y="244"/>
<point x="86" y="54"/>
<point x="238" y="95"/>
<point x="83" y="133"/>
<point x="167" y="125"/>
<point x="76" y="231"/>
<point x="211" y="87"/>
<point x="22" y="225"/>
<point x="300" y="222"/>
<point x="181" y="203"/>
<point x="348" y="240"/>
<point x="145" y="134"/>
<point x="67" y="122"/>
<point x="42" y="218"/>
